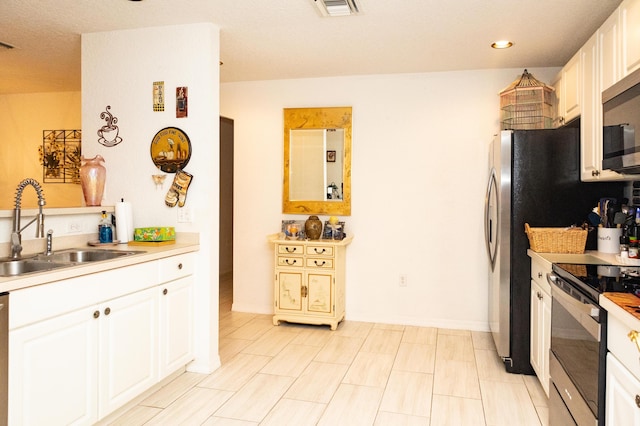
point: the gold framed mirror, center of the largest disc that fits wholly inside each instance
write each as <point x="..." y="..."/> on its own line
<point x="317" y="161"/>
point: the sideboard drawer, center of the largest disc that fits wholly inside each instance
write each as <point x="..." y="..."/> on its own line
<point x="320" y="250"/>
<point x="320" y="263"/>
<point x="290" y="261"/>
<point x="291" y="249"/>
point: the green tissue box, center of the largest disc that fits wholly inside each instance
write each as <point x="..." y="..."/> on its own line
<point x="167" y="233"/>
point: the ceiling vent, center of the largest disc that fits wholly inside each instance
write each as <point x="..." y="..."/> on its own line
<point x="337" y="7"/>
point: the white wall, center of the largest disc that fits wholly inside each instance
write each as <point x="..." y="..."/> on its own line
<point x="118" y="69"/>
<point x="419" y="168"/>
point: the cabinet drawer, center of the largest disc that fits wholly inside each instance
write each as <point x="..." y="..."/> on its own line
<point x="619" y="343"/>
<point x="174" y="267"/>
<point x="320" y="250"/>
<point x="539" y="271"/>
<point x="290" y="261"/>
<point x="323" y="263"/>
<point x="290" y="249"/>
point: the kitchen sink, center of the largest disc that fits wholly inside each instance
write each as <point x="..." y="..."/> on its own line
<point x="11" y="268"/>
<point x="85" y="255"/>
<point x="60" y="259"/>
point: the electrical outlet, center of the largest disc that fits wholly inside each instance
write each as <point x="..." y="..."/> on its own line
<point x="74" y="227"/>
<point x="403" y="280"/>
<point x="185" y="214"/>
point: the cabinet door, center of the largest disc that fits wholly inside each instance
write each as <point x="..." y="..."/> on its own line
<point x="609" y="53"/>
<point x="176" y="325"/>
<point x="572" y="82"/>
<point x="53" y="371"/>
<point x="319" y="293"/>
<point x="128" y="348"/>
<point x="590" y="127"/>
<point x="540" y="333"/>
<point x="622" y="395"/>
<point x="630" y="22"/>
<point x="289" y="291"/>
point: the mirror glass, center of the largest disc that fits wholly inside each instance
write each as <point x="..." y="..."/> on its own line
<point x="317" y="161"/>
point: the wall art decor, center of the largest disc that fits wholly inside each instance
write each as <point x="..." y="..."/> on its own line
<point x="170" y="149"/>
<point x="331" y="156"/>
<point x="158" y="95"/>
<point x="108" y="134"/>
<point x="181" y="102"/>
<point x="60" y="156"/>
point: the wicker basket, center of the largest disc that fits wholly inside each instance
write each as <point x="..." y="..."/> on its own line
<point x="556" y="240"/>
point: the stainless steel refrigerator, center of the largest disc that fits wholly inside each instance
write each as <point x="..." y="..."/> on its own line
<point x="534" y="178"/>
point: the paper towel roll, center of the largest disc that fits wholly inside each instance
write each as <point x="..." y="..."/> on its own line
<point x="124" y="221"/>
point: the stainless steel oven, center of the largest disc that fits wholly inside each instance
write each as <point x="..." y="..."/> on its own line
<point x="578" y="354"/>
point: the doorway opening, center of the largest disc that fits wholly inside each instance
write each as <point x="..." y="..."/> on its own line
<point x="226" y="215"/>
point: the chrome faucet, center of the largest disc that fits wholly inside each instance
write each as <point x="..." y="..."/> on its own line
<point x="16" y="236"/>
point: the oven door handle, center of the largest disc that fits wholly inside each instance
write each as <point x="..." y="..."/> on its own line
<point x="579" y="307"/>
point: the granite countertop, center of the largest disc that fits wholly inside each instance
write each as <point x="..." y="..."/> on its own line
<point x="183" y="244"/>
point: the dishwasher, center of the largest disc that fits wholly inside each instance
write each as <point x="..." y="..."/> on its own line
<point x="4" y="357"/>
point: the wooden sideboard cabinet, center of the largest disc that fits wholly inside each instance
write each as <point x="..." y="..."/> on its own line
<point x="310" y="281"/>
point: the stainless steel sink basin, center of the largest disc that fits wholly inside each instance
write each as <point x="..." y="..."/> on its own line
<point x="10" y="268"/>
<point x="85" y="255"/>
<point x="60" y="259"/>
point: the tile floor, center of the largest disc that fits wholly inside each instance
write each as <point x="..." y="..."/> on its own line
<point x="360" y="374"/>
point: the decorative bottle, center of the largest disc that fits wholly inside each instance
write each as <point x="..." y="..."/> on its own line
<point x="313" y="228"/>
<point x="92" y="178"/>
<point x="105" y="231"/>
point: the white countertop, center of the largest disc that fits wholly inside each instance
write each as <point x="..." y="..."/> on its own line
<point x="590" y="257"/>
<point x="184" y="244"/>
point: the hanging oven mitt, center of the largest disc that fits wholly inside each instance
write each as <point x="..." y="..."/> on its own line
<point x="178" y="192"/>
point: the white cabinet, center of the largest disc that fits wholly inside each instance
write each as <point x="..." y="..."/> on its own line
<point x="568" y="91"/>
<point x="599" y="66"/>
<point x="310" y="281"/>
<point x="623" y="369"/>
<point x="630" y="36"/>
<point x="53" y="371"/>
<point x="623" y="395"/>
<point x="176" y="319"/>
<point x="78" y="367"/>
<point x="82" y="347"/>
<point x="609" y="53"/>
<point x="127" y="349"/>
<point x="540" y="321"/>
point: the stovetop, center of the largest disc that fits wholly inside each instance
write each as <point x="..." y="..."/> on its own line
<point x="596" y="279"/>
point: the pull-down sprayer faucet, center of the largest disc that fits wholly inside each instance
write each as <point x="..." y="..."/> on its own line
<point x="16" y="236"/>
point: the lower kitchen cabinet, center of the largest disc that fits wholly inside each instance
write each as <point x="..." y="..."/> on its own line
<point x="76" y="368"/>
<point x="540" y="321"/>
<point x="53" y="371"/>
<point x="310" y="281"/>
<point x="623" y="395"/>
<point x="622" y="404"/>
<point x="176" y="325"/>
<point x="105" y="339"/>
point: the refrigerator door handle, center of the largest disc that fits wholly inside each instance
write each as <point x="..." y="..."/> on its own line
<point x="490" y="228"/>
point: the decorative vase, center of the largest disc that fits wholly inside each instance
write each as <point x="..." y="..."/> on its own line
<point x="92" y="177"/>
<point x="313" y="227"/>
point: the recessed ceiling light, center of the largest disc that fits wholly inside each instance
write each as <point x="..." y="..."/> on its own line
<point x="501" y="44"/>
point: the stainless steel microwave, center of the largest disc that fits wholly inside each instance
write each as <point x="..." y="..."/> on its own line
<point x="621" y="125"/>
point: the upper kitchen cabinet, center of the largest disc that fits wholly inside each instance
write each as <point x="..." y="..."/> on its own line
<point x="629" y="12"/>
<point x="595" y="63"/>
<point x="608" y="52"/>
<point x="568" y="91"/>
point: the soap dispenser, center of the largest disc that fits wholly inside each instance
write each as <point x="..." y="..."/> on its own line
<point x="105" y="231"/>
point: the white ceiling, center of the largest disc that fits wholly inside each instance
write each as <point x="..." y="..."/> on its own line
<point x="284" y="39"/>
